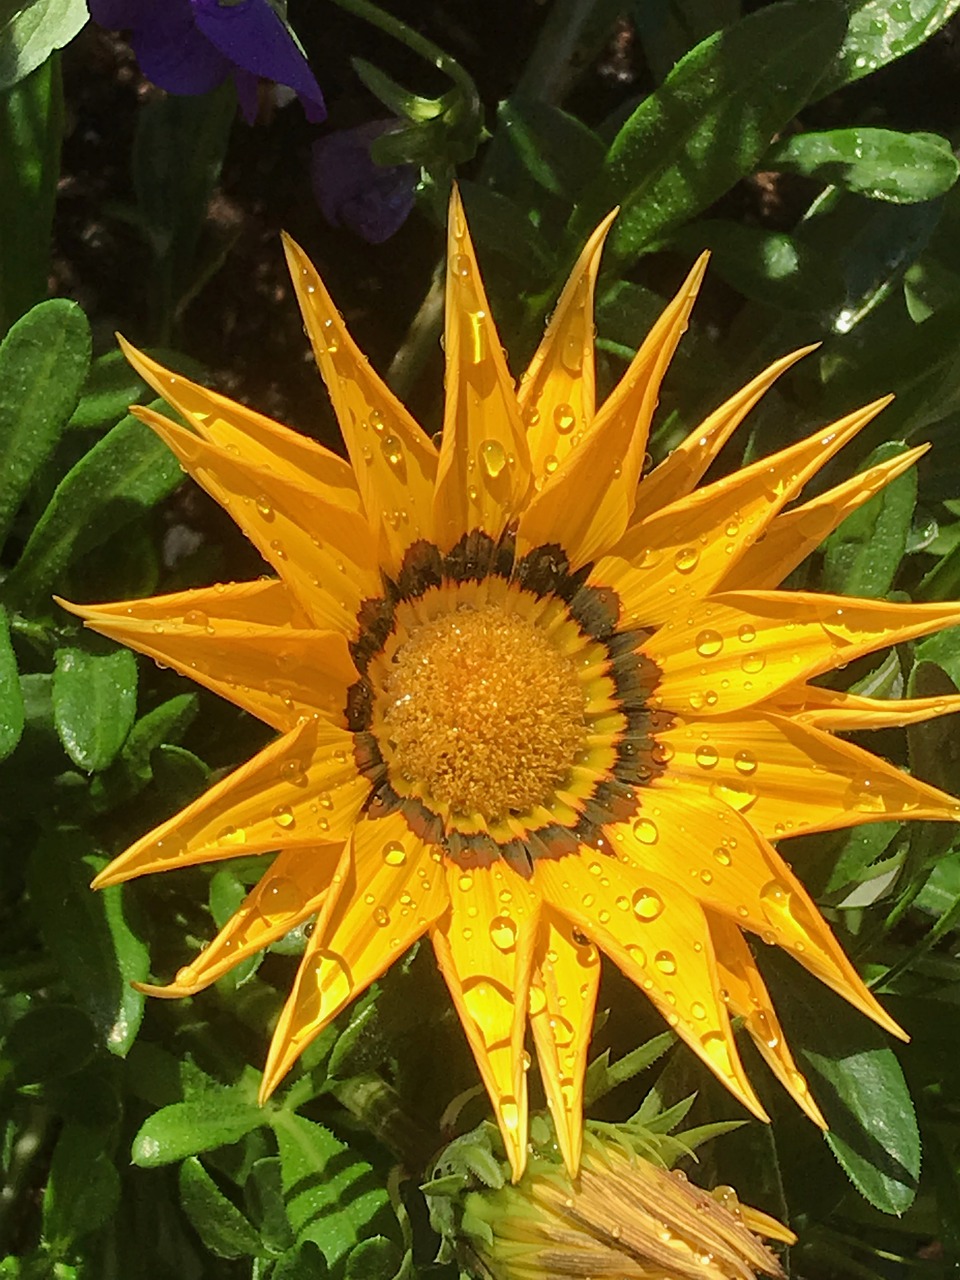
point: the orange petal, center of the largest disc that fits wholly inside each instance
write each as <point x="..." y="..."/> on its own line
<point x="794" y="534"/>
<point x="325" y="555"/>
<point x="557" y="392"/>
<point x="484" y="471"/>
<point x="746" y="995"/>
<point x="290" y="892"/>
<point x="247" y="642"/>
<point x="484" y="947"/>
<point x="386" y="892"/>
<point x="837" y="709"/>
<point x="680" y="471"/>
<point x="677" y="556"/>
<point x="394" y="461"/>
<point x="707" y="845"/>
<point x="792" y="777"/>
<point x="655" y="931"/>
<point x="742" y="647"/>
<point x="302" y="790"/>
<point x="260" y="440"/>
<point x="586" y="504"/>
<point x="563" y="994"/>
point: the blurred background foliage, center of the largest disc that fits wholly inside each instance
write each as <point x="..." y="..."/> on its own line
<point x="810" y="145"/>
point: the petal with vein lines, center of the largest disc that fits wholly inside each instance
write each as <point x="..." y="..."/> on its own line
<point x="747" y="996"/>
<point x="586" y="504"/>
<point x="678" y="474"/>
<point x="656" y="933"/>
<point x="746" y="880"/>
<point x="386" y="892"/>
<point x="290" y="892"/>
<point x="484" y="947"/>
<point x="243" y="642"/>
<point x="794" y="534"/>
<point x="844" y="712"/>
<point x="791" y="777"/>
<point x="325" y="555"/>
<point x="262" y="441"/>
<point x="742" y="647"/>
<point x="678" y="555"/>
<point x="394" y="461"/>
<point x="557" y="392"/>
<point x="484" y="471"/>
<point x="563" y="995"/>
<point x="303" y="789"/>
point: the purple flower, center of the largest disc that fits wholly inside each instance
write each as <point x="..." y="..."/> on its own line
<point x="191" y="46"/>
<point x="354" y="191"/>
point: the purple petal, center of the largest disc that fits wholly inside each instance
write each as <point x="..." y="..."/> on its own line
<point x="120" y="15"/>
<point x="248" y="94"/>
<point x="174" y="54"/>
<point x="250" y="34"/>
<point x="352" y="191"/>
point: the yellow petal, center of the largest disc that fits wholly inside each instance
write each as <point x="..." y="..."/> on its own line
<point x="586" y="504"/>
<point x="677" y="556"/>
<point x="324" y="554"/>
<point x="733" y="870"/>
<point x="790" y="777"/>
<point x="839" y="710"/>
<point x="290" y="892"/>
<point x="260" y="440"/>
<point x="747" y="996"/>
<point x="794" y="534"/>
<point x="655" y="931"/>
<point x="680" y="471"/>
<point x="563" y="995"/>
<point x="247" y="642"/>
<point x="557" y="392"/>
<point x="742" y="647"/>
<point x="387" y="891"/>
<point x="484" y="472"/>
<point x="393" y="459"/>
<point x="484" y="947"/>
<point x="302" y="790"/>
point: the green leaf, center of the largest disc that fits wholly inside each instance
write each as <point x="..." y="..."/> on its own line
<point x="33" y="32"/>
<point x="87" y="933"/>
<point x="83" y="1188"/>
<point x="110" y="389"/>
<point x="375" y="1259"/>
<point x="49" y="1042"/>
<point x="558" y="151"/>
<point x="303" y="1262"/>
<point x="43" y="363"/>
<point x="862" y="555"/>
<point x="879" y="32"/>
<point x="11" y="697"/>
<point x="331" y="1194"/>
<point x="767" y="266"/>
<point x="218" y="1222"/>
<point x="215" y="1119"/>
<point x="503" y="228"/>
<point x="711" y="120"/>
<point x="123" y="475"/>
<point x="94" y="702"/>
<point x="881" y="164"/>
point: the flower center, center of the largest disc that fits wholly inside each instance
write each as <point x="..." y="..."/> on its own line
<point x="483" y="712"/>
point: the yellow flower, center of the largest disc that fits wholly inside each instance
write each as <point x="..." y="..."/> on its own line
<point x="528" y="704"/>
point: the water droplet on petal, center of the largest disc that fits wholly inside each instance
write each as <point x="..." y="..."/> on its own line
<point x="394" y="854"/>
<point x="709" y="643"/>
<point x="503" y="933"/>
<point x="646" y="831"/>
<point x="563" y="419"/>
<point x="647" y="904"/>
<point x="493" y="458"/>
<point x="509" y="1113"/>
<point x="232" y="835"/>
<point x="707" y="756"/>
<point x="279" y="896"/>
<point x="283" y="816"/>
<point x="745" y="762"/>
<point x="666" y="962"/>
<point x="686" y="560"/>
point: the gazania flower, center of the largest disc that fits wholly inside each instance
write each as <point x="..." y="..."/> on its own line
<point x="528" y="704"/>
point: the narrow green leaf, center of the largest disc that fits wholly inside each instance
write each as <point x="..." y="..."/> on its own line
<point x="123" y="475"/>
<point x="558" y="151"/>
<point x="83" y="1187"/>
<point x="215" y="1119"/>
<point x="94" y="702"/>
<point x="87" y="933"/>
<point x="880" y="31"/>
<point x="502" y="227"/>
<point x="11" y="696"/>
<point x="881" y="164"/>
<point x="218" y="1222"/>
<point x="331" y="1195"/>
<point x="862" y="556"/>
<point x="110" y="389"/>
<point x="31" y="34"/>
<point x="43" y="363"/>
<point x="48" y="1042"/>
<point x="711" y="120"/>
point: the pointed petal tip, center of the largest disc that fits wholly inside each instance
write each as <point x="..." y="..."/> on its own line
<point x="172" y="991"/>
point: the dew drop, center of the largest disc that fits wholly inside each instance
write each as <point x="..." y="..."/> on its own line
<point x="707" y="756"/>
<point x="196" y="618"/>
<point x="392" y="450"/>
<point x="536" y="1001"/>
<point x="563" y="419"/>
<point x="283" y="816"/>
<point x="753" y="663"/>
<point x="747" y="633"/>
<point x="264" y="506"/>
<point x="666" y="962"/>
<point x="503" y="933"/>
<point x="745" y="762"/>
<point x="280" y="896"/>
<point x="698" y="1011"/>
<point x="709" y="643"/>
<point x="493" y="458"/>
<point x="394" y="854"/>
<point x="550" y="464"/>
<point x="460" y="266"/>
<point x="232" y="835"/>
<point x="646" y="831"/>
<point x="381" y="917"/>
<point x="647" y="904"/>
<point x="686" y="560"/>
